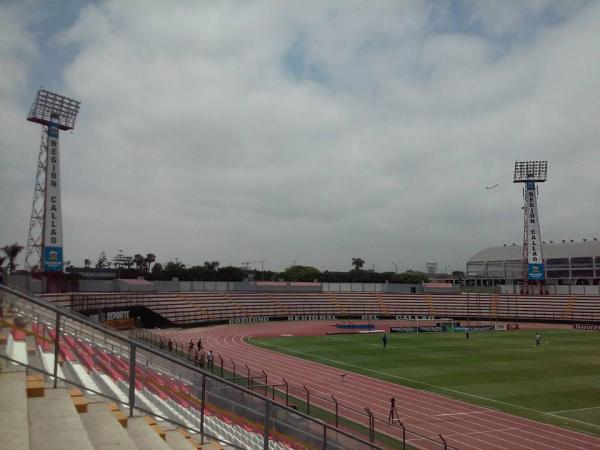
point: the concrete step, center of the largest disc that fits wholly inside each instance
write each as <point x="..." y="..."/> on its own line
<point x="177" y="441"/>
<point x="103" y="429"/>
<point x="54" y="423"/>
<point x="14" y="427"/>
<point x="144" y="436"/>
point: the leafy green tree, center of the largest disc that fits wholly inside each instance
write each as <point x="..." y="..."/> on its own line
<point x="412" y="277"/>
<point x="211" y="265"/>
<point x="301" y="273"/>
<point x="358" y="263"/>
<point x="230" y="273"/>
<point x="102" y="262"/>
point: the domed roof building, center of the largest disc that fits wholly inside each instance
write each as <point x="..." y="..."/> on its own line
<point x="565" y="262"/>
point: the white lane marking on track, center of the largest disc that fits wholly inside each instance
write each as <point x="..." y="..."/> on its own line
<point x="433" y="385"/>
<point x="468" y="413"/>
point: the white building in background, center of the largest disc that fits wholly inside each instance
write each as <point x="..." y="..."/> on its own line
<point x="565" y="263"/>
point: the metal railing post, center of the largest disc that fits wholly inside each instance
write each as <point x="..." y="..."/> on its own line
<point x="307" y="399"/>
<point x="202" y="408"/>
<point x="56" y="348"/>
<point x="336" y="411"/>
<point x="249" y="383"/>
<point x="371" y="425"/>
<point x="267" y="424"/>
<point x="287" y="392"/>
<point x="266" y="384"/>
<point x="233" y="364"/>
<point x="221" y="360"/>
<point x="324" y="437"/>
<point x="132" y="348"/>
<point x="403" y="435"/>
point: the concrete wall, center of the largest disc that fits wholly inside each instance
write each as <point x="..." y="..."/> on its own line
<point x="124" y="286"/>
<point x="398" y="288"/>
<point x="555" y="289"/>
<point x="97" y="285"/>
<point x="25" y="283"/>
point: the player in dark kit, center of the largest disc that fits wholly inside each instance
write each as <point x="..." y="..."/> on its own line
<point x="384" y="339"/>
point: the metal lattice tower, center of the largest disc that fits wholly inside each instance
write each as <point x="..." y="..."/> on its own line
<point x="529" y="173"/>
<point x="33" y="253"/>
<point x="44" y="242"/>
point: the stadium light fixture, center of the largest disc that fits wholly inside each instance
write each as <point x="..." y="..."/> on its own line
<point x="49" y="107"/>
<point x="530" y="171"/>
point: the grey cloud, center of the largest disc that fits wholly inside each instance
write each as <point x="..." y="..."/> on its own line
<point x="195" y="140"/>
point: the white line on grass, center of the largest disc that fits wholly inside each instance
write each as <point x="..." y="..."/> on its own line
<point x="575" y="410"/>
<point x="432" y="385"/>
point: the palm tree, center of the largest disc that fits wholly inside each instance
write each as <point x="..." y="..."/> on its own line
<point x="138" y="260"/>
<point x="357" y="263"/>
<point x="150" y="258"/>
<point x="87" y="263"/>
<point x="12" y="251"/>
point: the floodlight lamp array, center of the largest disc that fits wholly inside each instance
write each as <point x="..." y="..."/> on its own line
<point x="49" y="107"/>
<point x="530" y="171"/>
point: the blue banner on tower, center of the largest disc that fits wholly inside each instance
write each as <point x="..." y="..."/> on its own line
<point x="53" y="130"/>
<point x="535" y="271"/>
<point x="53" y="259"/>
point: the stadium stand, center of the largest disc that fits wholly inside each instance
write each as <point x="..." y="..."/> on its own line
<point x="127" y="395"/>
<point x="199" y="307"/>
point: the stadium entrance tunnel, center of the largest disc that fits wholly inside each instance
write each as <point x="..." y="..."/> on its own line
<point x="127" y="317"/>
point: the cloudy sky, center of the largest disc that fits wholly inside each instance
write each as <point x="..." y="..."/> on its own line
<point x="304" y="131"/>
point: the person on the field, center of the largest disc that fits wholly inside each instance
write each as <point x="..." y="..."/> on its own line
<point x="199" y="344"/>
<point x="210" y="359"/>
<point x="190" y="347"/>
<point x="384" y="339"/>
<point x="538" y="339"/>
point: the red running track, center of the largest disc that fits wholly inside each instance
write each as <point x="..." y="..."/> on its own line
<point x="463" y="425"/>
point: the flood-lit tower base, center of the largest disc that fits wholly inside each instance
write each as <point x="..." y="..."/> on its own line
<point x="533" y="273"/>
<point x="44" y="243"/>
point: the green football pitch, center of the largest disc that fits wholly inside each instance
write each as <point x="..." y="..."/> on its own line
<point x="557" y="383"/>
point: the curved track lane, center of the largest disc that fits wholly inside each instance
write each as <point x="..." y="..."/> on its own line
<point x="465" y="426"/>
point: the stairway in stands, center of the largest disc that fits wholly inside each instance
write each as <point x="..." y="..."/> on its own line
<point x="35" y="415"/>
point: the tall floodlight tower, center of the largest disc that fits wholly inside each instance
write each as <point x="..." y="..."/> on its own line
<point x="530" y="173"/>
<point x="44" y="243"/>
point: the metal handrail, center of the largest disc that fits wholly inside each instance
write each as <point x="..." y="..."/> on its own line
<point x="136" y="344"/>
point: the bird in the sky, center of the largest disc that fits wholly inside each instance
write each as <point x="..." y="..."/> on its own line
<point x="491" y="187"/>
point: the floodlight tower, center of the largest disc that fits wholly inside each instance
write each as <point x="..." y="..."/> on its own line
<point x="529" y="173"/>
<point x="44" y="243"/>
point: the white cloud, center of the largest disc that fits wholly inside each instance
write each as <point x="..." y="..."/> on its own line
<point x="198" y="139"/>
